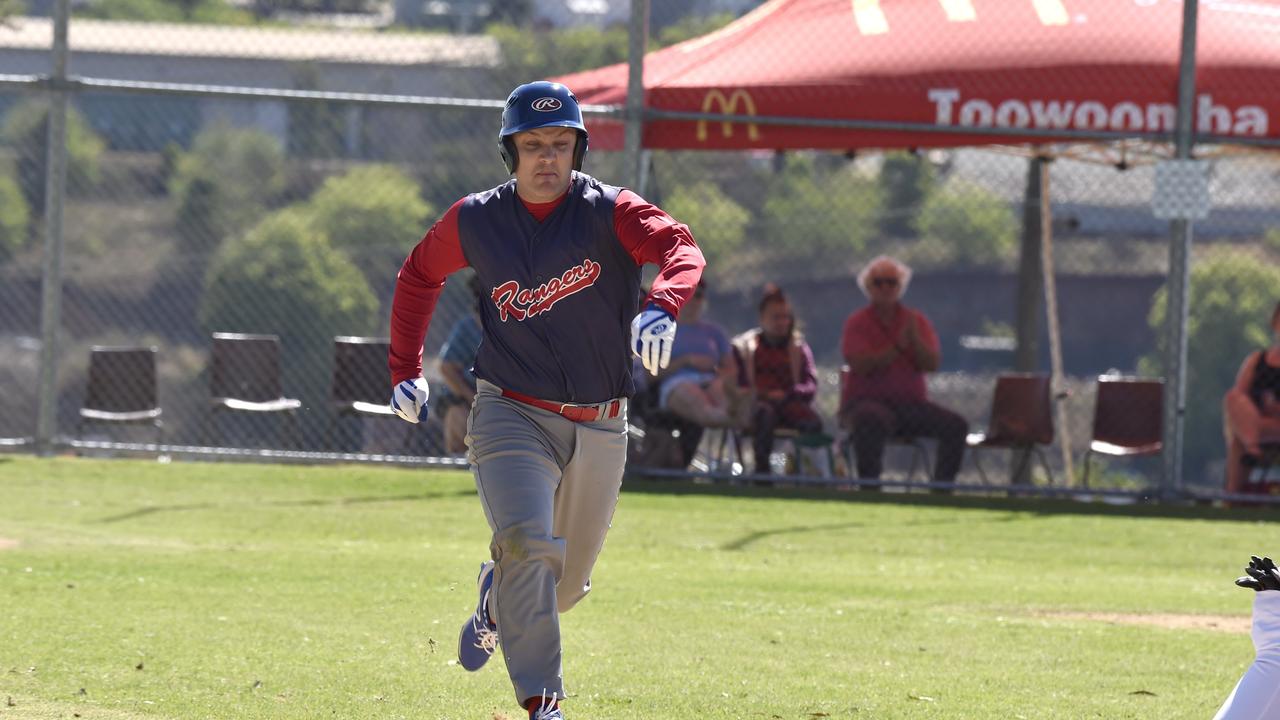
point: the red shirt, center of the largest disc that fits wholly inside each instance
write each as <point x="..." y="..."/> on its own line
<point x="865" y="333"/>
<point x="647" y="233"/>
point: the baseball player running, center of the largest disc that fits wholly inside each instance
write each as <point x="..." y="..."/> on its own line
<point x="1257" y="695"/>
<point x="558" y="254"/>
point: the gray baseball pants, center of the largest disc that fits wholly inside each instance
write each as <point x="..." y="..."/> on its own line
<point x="549" y="487"/>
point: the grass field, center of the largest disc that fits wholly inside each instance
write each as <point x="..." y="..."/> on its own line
<point x="134" y="589"/>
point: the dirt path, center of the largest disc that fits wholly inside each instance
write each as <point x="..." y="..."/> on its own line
<point x="8" y="543"/>
<point x="1221" y="623"/>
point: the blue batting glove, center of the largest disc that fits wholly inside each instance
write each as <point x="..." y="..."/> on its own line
<point x="409" y="400"/>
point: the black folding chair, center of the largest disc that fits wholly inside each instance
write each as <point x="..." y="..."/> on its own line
<point x="121" y="389"/>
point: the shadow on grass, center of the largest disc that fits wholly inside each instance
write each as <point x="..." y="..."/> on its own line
<point x="751" y="538"/>
<point x="154" y="509"/>
<point x="1018" y="504"/>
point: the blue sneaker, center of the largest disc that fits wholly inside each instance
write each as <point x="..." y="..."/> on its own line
<point x="479" y="637"/>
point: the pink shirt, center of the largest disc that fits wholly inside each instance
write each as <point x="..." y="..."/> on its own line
<point x="865" y="333"/>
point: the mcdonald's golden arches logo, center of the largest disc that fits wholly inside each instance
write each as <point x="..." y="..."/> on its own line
<point x="728" y="105"/>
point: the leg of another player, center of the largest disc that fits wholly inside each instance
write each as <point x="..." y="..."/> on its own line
<point x="1257" y="695"/>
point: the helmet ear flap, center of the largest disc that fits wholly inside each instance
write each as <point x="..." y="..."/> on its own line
<point x="579" y="151"/>
<point x="510" y="157"/>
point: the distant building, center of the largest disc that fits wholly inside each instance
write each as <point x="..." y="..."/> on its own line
<point x="219" y="55"/>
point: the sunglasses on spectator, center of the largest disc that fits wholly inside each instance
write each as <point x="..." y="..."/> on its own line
<point x="884" y="281"/>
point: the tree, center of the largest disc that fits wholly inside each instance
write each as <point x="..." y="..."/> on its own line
<point x="198" y="11"/>
<point x="1231" y="297"/>
<point x="528" y="54"/>
<point x="283" y="277"/>
<point x="373" y="214"/>
<point x="971" y="224"/>
<point x="692" y="26"/>
<point x="225" y="184"/>
<point x="14" y="217"/>
<point x="812" y="211"/>
<point x="26" y="130"/>
<point x="906" y="179"/>
<point x="316" y="129"/>
<point x="718" y="223"/>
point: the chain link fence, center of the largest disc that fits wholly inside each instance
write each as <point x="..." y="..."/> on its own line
<point x="190" y="214"/>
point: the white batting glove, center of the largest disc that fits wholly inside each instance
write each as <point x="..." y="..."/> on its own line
<point x="653" y="332"/>
<point x="409" y="400"/>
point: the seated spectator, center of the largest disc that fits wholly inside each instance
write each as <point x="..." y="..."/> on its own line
<point x="701" y="383"/>
<point x="779" y="369"/>
<point x="889" y="347"/>
<point x="1251" y="409"/>
<point x="457" y="355"/>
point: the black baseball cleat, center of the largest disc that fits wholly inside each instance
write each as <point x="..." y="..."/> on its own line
<point x="479" y="637"/>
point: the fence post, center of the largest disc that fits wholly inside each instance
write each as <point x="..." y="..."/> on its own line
<point x="51" y="279"/>
<point x="638" y="40"/>
<point x="1179" y="272"/>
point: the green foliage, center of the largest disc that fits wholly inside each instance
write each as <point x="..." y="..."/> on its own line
<point x="1271" y="241"/>
<point x="718" y="223"/>
<point x="972" y="223"/>
<point x="284" y="277"/>
<point x="225" y="183"/>
<point x="907" y="179"/>
<point x="691" y="27"/>
<point x="1228" y="316"/>
<point x="316" y="129"/>
<point x="26" y="130"/>
<point x="14" y="217"/>
<point x="196" y="11"/>
<point x="10" y="8"/>
<point x="812" y="210"/>
<point x="539" y="54"/>
<point x="374" y="214"/>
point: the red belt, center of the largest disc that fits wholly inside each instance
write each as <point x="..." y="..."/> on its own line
<point x="577" y="413"/>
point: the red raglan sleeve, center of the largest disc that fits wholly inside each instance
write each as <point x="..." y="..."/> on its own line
<point x="650" y="235"/>
<point x="418" y="286"/>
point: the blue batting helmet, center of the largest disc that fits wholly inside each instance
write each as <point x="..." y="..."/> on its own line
<point x="540" y="104"/>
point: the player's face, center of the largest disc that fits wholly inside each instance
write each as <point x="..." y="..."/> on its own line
<point x="546" y="160"/>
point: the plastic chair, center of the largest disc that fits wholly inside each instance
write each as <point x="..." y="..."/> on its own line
<point x="361" y="381"/>
<point x="1128" y="419"/>
<point x="1021" y="420"/>
<point x="121" y="388"/>
<point x="245" y="377"/>
<point x="844" y="441"/>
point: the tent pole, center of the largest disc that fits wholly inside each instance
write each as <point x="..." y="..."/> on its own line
<point x="1057" y="380"/>
<point x="637" y="42"/>
<point x="1030" y="294"/>
<point x="1180" y="234"/>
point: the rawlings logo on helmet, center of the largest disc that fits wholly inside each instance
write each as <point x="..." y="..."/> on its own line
<point x="546" y="104"/>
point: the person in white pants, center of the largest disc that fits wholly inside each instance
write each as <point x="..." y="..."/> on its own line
<point x="1257" y="695"/>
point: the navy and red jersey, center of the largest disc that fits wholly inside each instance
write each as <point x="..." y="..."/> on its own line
<point x="562" y="280"/>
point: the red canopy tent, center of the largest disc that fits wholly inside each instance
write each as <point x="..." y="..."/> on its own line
<point x="1042" y="65"/>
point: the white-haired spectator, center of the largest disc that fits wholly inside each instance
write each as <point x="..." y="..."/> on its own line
<point x="888" y="348"/>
